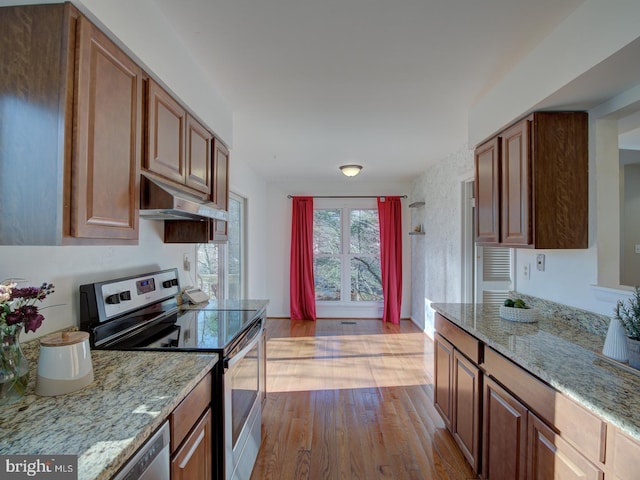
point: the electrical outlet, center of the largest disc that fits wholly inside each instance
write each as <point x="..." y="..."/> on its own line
<point x="540" y="262"/>
<point x="186" y="262"/>
<point x="526" y="270"/>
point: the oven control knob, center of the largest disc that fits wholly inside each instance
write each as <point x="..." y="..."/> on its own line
<point x="166" y="284"/>
<point x="126" y="295"/>
<point x="112" y="299"/>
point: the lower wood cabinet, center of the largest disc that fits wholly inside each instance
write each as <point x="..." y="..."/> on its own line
<point x="193" y="458"/>
<point x="505" y="434"/>
<point x="191" y="435"/>
<point x="549" y="456"/>
<point x="457" y="398"/>
<point x="466" y="408"/>
<point x="510" y="425"/>
<point x="623" y="453"/>
<point x="443" y="391"/>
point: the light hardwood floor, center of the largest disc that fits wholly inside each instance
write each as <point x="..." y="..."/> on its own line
<point x="352" y="399"/>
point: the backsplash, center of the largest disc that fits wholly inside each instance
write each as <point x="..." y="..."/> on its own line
<point x="589" y="321"/>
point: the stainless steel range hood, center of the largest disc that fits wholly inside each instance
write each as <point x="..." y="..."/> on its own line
<point x="160" y="201"/>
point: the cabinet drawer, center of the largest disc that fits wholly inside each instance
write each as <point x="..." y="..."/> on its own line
<point x="188" y="411"/>
<point x="576" y="425"/>
<point x="460" y="339"/>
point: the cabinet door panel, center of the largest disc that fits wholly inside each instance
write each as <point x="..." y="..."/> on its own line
<point x="505" y="434"/>
<point x="106" y="165"/>
<point x="166" y="124"/>
<point x="219" y="228"/>
<point x="515" y="169"/>
<point x="551" y="457"/>
<point x="622" y="455"/>
<point x="193" y="459"/>
<point x="442" y="394"/>
<point x="198" y="156"/>
<point x="466" y="408"/>
<point x="487" y="192"/>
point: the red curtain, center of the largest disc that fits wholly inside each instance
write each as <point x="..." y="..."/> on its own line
<point x="389" y="216"/>
<point x="302" y="297"/>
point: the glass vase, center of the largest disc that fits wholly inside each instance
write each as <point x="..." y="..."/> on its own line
<point x="14" y="367"/>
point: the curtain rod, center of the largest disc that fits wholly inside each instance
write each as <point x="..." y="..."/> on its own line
<point x="347" y="196"/>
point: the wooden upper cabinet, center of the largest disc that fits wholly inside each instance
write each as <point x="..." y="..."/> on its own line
<point x="72" y="130"/>
<point x="542" y="189"/>
<point x="108" y="136"/>
<point x="198" y="156"/>
<point x="487" y="192"/>
<point x="166" y="123"/>
<point x="178" y="145"/>
<point x="516" y="198"/>
<point x="221" y="166"/>
<point x="219" y="228"/>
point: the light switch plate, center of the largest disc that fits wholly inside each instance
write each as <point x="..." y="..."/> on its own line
<point x="540" y="262"/>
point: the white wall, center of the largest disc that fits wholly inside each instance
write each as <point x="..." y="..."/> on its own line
<point x="245" y="182"/>
<point x="593" y="32"/>
<point x="437" y="256"/>
<point x="278" y="235"/>
<point x="69" y="267"/>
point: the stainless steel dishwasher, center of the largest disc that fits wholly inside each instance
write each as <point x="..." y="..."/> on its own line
<point x="151" y="461"/>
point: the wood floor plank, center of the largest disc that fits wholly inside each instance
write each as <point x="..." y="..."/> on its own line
<point x="352" y="400"/>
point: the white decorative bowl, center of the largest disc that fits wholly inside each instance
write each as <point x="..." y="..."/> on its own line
<point x="522" y="315"/>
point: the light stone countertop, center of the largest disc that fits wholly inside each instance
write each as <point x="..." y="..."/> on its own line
<point x="563" y="355"/>
<point x="107" y="421"/>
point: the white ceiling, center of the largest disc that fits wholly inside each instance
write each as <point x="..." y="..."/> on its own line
<point x="315" y="84"/>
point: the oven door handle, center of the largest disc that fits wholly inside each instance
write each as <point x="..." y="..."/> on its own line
<point x="252" y="339"/>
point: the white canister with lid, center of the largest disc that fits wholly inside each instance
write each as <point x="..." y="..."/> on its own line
<point x="64" y="364"/>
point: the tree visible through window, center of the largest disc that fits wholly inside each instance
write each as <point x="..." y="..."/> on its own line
<point x="346" y="247"/>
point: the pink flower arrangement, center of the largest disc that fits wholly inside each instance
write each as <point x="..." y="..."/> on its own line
<point x="18" y="305"/>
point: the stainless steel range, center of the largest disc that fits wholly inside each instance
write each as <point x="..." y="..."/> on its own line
<point x="141" y="313"/>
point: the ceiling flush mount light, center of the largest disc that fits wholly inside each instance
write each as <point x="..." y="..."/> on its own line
<point x="351" y="170"/>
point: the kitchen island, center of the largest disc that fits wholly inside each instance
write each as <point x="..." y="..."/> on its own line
<point x="132" y="394"/>
<point x="534" y="400"/>
<point x="565" y="356"/>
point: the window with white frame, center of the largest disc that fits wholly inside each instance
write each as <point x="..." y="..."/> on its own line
<point x="221" y="266"/>
<point x="346" y="255"/>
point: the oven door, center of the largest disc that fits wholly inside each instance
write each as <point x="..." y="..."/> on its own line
<point x="243" y="407"/>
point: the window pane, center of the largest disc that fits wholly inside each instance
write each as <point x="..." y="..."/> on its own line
<point x="326" y="231"/>
<point x="234" y="229"/>
<point x="365" y="232"/>
<point x="326" y="272"/>
<point x="209" y="257"/>
<point x="366" y="280"/>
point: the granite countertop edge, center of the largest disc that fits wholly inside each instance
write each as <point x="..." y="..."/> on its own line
<point x="106" y="422"/>
<point x="553" y="350"/>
